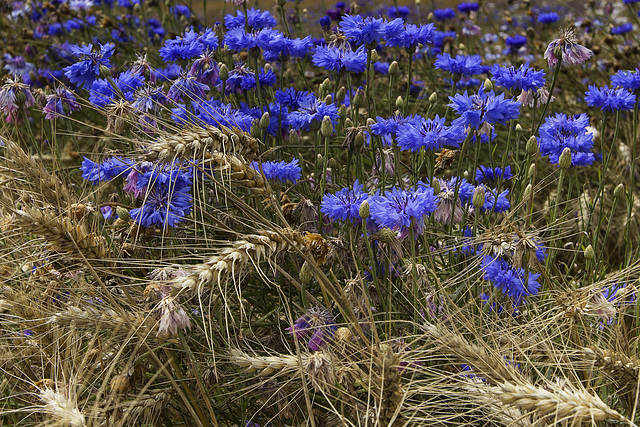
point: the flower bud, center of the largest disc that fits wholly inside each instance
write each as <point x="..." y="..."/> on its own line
<point x="418" y="2"/>
<point x="479" y="197"/>
<point x="326" y="129"/>
<point x="328" y="99"/>
<point x="394" y="69"/>
<point x="519" y="128"/>
<point x="281" y="3"/>
<point x="386" y="235"/>
<point x="527" y="192"/>
<point x="532" y="171"/>
<point x="123" y="213"/>
<point x="589" y="253"/>
<point x="342" y="93"/>
<point x="347" y="122"/>
<point x="565" y="159"/>
<point x="104" y="70"/>
<point x="342" y="111"/>
<point x="436" y="186"/>
<point x="488" y="84"/>
<point x="364" y="210"/>
<point x="294" y="138"/>
<point x="358" y="98"/>
<point x="359" y="140"/>
<point x="265" y="120"/>
<point x="430" y="16"/>
<point x="433" y="98"/>
<point x="370" y="122"/>
<point x="399" y="102"/>
<point x="374" y="55"/>
<point x="619" y="191"/>
<point x="532" y="146"/>
<point x="326" y="85"/>
<point x="306" y="274"/>
<point x="224" y="72"/>
<point x="255" y="129"/>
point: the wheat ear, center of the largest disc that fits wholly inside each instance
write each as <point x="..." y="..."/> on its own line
<point x="563" y="403"/>
<point x="389" y="394"/>
<point x="105" y="318"/>
<point x="62" y="234"/>
<point x="624" y="367"/>
<point x="200" y="143"/>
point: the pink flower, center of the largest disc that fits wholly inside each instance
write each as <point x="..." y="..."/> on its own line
<point x="567" y="49"/>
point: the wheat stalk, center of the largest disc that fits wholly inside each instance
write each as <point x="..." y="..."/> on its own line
<point x="389" y="394"/>
<point x="624" y="367"/>
<point x="200" y="143"/>
<point x="108" y="319"/>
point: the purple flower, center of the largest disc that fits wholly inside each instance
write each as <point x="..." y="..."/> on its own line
<point x="334" y="58"/>
<point x="430" y="134"/>
<point x="362" y="30"/>
<point x="622" y="29"/>
<point x="444" y="14"/>
<point x="485" y="173"/>
<point x="186" y="87"/>
<point x="461" y="65"/>
<point x="508" y="279"/>
<point x="106" y="171"/>
<point x="280" y="171"/>
<point x="345" y="204"/>
<point x="311" y="113"/>
<point x="629" y="80"/>
<point x="16" y="65"/>
<point x="523" y="77"/>
<point x="59" y="104"/>
<point x="84" y="72"/>
<point x="8" y="98"/>
<point x="548" y="18"/>
<point x="319" y="322"/>
<point x="466" y="7"/>
<point x="399" y="209"/>
<point x="562" y="131"/>
<point x="567" y="48"/>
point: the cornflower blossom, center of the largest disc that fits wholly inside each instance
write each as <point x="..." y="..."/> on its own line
<point x="548" y="18"/>
<point x="363" y="31"/>
<point x="84" y="72"/>
<point x="205" y="69"/>
<point x="280" y="171"/>
<point x="102" y="91"/>
<point x="444" y="14"/>
<point x="311" y="113"/>
<point x="567" y="48"/>
<point x="398" y="12"/>
<point x="187" y="87"/>
<point x="215" y="113"/>
<point x="494" y="202"/>
<point x="236" y="2"/>
<point x="508" y="279"/>
<point x="461" y="65"/>
<point x="291" y="98"/>
<point x="17" y="65"/>
<point x="409" y="36"/>
<point x="399" y="209"/>
<point x="319" y="322"/>
<point x="345" y="204"/>
<point x="256" y="19"/>
<point x="190" y="45"/>
<point x="523" y="77"/>
<point x="629" y="80"/>
<point x="485" y="173"/>
<point x="449" y="205"/>
<point x="467" y="7"/>
<point x="60" y="103"/>
<point x="173" y="317"/>
<point x="106" y="171"/>
<point x="166" y="199"/>
<point x="430" y="134"/>
<point x="561" y="131"/>
<point x="622" y="29"/>
<point x="610" y="100"/>
<point x="536" y="98"/>
<point x="8" y="98"/>
<point x="389" y="127"/>
<point x="333" y="58"/>
<point x="483" y="107"/>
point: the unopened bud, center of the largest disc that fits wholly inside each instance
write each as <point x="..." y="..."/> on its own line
<point x="364" y="210"/>
<point x="327" y="127"/>
<point x="589" y="253"/>
<point x="224" y="72"/>
<point x="358" y="98"/>
<point x="532" y="171"/>
<point x="294" y="138"/>
<point x="370" y="122"/>
<point x="359" y="140"/>
<point x="461" y="46"/>
<point x="386" y="235"/>
<point x="328" y="99"/>
<point x="265" y="121"/>
<point x="347" y="122"/>
<point x="488" y="84"/>
<point x="342" y="111"/>
<point x="519" y="128"/>
<point x="342" y="93"/>
<point x="532" y="146"/>
<point x="619" y="191"/>
<point x="306" y="274"/>
<point x="418" y="2"/>
<point x="431" y="16"/>
<point x="527" y="192"/>
<point x="374" y="55"/>
<point x="399" y="102"/>
<point x="433" y="98"/>
<point x="255" y="130"/>
<point x="123" y="213"/>
<point x="281" y="3"/>
<point x="394" y="69"/>
<point x="565" y="159"/>
<point x="436" y="186"/>
<point x="326" y="84"/>
<point x="479" y="197"/>
<point x="104" y="70"/>
<point x="267" y="67"/>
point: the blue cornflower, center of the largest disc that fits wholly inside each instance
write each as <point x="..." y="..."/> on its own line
<point x="516" y="42"/>
<point x="345" y="204"/>
<point x="461" y="65"/>
<point x="205" y="69"/>
<point x="180" y="10"/>
<point x="172" y="71"/>
<point x="389" y="126"/>
<point x="482" y="108"/>
<point x="325" y="23"/>
<point x="215" y="113"/>
<point x="310" y="114"/>
<point x="561" y="131"/>
<point x="381" y="67"/>
<point x="99" y="172"/>
<point x="280" y="171"/>
<point x="164" y="205"/>
<point x="102" y="92"/>
<point x="610" y="100"/>
<point x="508" y="279"/>
<point x="17" y="65"/>
<point x="256" y="19"/>
<point x="155" y="29"/>
<point x="629" y="80"/>
<point x="485" y="173"/>
<point x="278" y="117"/>
<point x="493" y="204"/>
<point x="466" y="7"/>
<point x="430" y="134"/>
<point x="186" y="87"/>
<point x="84" y="72"/>
<point x="398" y="12"/>
<point x="411" y="35"/>
<point x="149" y="98"/>
<point x="362" y="30"/>
<point x="548" y="18"/>
<point x="186" y="47"/>
<point x="291" y="98"/>
<point x="399" y="209"/>
<point x="523" y="77"/>
<point x="622" y="29"/>
<point x="334" y="59"/>
<point x="444" y="14"/>
<point x="59" y="104"/>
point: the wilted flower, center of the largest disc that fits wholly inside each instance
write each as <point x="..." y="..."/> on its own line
<point x="12" y="93"/>
<point x="172" y="317"/>
<point x="317" y="320"/>
<point x="60" y="104"/>
<point x="567" y="49"/>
